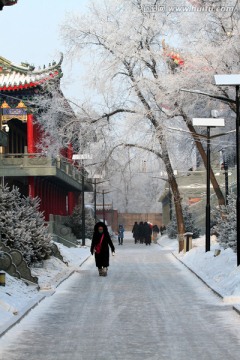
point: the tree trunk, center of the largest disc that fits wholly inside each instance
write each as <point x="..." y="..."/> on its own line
<point x="176" y="194"/>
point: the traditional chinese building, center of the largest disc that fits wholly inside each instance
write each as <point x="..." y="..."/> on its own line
<point x="56" y="181"/>
<point x="7" y="3"/>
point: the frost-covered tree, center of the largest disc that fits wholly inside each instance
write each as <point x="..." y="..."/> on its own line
<point x="139" y="76"/>
<point x="189" y="220"/>
<point x="225" y="225"/>
<point x="37" y="228"/>
<point x="22" y="226"/>
<point x="127" y="65"/>
<point x="74" y="221"/>
<point x="134" y="75"/>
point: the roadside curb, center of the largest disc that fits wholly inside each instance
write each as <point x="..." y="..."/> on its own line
<point x="35" y="302"/>
<point x="234" y="307"/>
<point x="17" y="318"/>
<point x="198" y="276"/>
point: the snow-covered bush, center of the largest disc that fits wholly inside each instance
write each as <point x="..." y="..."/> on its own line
<point x="22" y="225"/>
<point x="225" y="226"/>
<point x="189" y="221"/>
<point x="75" y="222"/>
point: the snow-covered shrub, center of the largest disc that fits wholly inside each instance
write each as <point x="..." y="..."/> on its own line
<point x="22" y="226"/>
<point x="225" y="226"/>
<point x="75" y="222"/>
<point x="189" y="221"/>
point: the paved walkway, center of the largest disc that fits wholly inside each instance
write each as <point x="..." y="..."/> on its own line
<point x="149" y="307"/>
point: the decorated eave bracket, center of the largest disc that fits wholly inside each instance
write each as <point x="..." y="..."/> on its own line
<point x="8" y="113"/>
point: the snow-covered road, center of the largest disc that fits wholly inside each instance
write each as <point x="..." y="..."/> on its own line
<point x="149" y="307"/>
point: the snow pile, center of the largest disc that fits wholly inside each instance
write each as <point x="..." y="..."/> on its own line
<point x="17" y="297"/>
<point x="14" y="296"/>
<point x="54" y="270"/>
<point x="220" y="272"/>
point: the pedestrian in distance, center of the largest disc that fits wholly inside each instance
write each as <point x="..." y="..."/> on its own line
<point x="156" y="231"/>
<point x="101" y="241"/>
<point x="147" y="233"/>
<point x="141" y="232"/>
<point x="135" y="232"/>
<point x="120" y="234"/>
<point x="162" y="229"/>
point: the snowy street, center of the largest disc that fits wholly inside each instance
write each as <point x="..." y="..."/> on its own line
<point x="149" y="307"/>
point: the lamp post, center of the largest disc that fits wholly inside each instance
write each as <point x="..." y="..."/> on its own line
<point x="234" y="80"/>
<point x="95" y="177"/>
<point x="208" y="122"/>
<point x="103" y="201"/>
<point x="95" y="200"/>
<point x="225" y="169"/>
<point x="82" y="157"/>
<point x="83" y="208"/>
<point x="103" y="206"/>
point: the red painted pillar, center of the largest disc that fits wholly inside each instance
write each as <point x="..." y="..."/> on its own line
<point x="55" y="210"/>
<point x="30" y="149"/>
<point x="71" y="202"/>
<point x="65" y="204"/>
<point x="31" y="186"/>
<point x="46" y="203"/>
<point x="37" y="187"/>
<point x="62" y="203"/>
<point x="30" y="136"/>
<point x="69" y="152"/>
<point x="41" y="194"/>
<point x="46" y="207"/>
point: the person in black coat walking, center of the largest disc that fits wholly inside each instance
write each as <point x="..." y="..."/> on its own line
<point x="135" y="231"/>
<point x="155" y="231"/>
<point x="147" y="233"/>
<point x="141" y="232"/>
<point x="101" y="241"/>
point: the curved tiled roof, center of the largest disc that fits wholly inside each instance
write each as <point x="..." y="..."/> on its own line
<point x="17" y="77"/>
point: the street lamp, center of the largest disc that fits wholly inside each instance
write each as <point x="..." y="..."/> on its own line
<point x="103" y="206"/>
<point x="95" y="177"/>
<point x="208" y="122"/>
<point x="224" y="167"/>
<point x="234" y="80"/>
<point x="82" y="157"/>
<point x="103" y="193"/>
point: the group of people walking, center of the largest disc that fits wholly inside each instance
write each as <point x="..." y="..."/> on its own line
<point x="144" y="232"/>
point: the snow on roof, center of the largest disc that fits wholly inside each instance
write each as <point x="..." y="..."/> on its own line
<point x="18" y="77"/>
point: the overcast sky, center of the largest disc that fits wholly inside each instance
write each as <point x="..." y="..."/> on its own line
<point x="30" y="32"/>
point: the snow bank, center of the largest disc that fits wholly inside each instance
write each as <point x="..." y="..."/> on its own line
<point x="220" y="272"/>
<point x="17" y="297"/>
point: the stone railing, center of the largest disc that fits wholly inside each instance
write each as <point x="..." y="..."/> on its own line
<point x="13" y="263"/>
